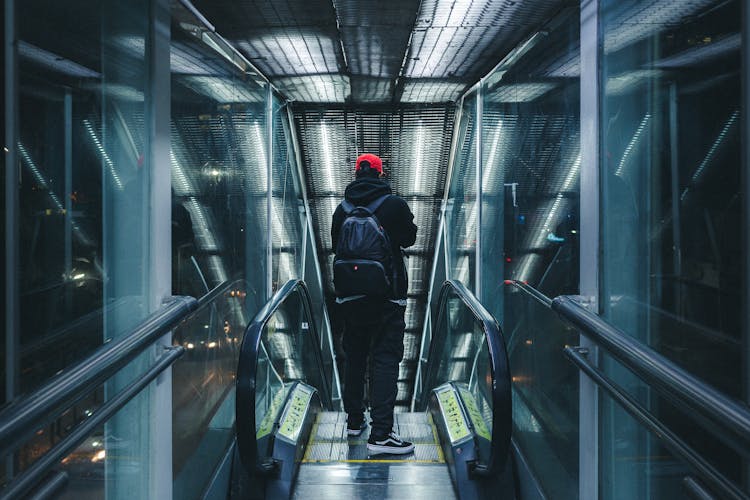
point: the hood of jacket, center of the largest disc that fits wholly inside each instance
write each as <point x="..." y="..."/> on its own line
<point x="363" y="191"/>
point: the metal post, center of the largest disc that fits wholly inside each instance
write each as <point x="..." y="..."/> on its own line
<point x="478" y="197"/>
<point x="68" y="110"/>
<point x="676" y="225"/>
<point x="269" y="199"/>
<point x="746" y="211"/>
<point x="588" y="459"/>
<point x="11" y="211"/>
<point x="160" y="251"/>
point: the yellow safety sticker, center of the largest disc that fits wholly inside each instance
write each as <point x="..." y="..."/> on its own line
<point x="266" y="425"/>
<point x="294" y="417"/>
<point x="454" y="417"/>
<point x="480" y="426"/>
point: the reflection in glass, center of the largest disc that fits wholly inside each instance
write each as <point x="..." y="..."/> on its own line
<point x="461" y="213"/>
<point x="459" y="354"/>
<point x="288" y="352"/>
<point x="672" y="229"/>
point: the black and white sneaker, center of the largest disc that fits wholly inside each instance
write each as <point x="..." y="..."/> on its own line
<point x="355" y="430"/>
<point x="391" y="444"/>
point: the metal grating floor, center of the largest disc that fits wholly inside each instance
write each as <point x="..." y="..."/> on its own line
<point x="329" y="442"/>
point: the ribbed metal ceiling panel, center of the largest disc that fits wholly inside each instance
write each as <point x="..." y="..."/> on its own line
<point x="414" y="144"/>
<point x="356" y="52"/>
<point x="464" y="39"/>
<point x="295" y="43"/>
<point x="375" y="36"/>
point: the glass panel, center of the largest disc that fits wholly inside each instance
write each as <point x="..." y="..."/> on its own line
<point x="459" y="354"/>
<point x="288" y="352"/>
<point x="531" y="163"/>
<point x="84" y="191"/>
<point x="288" y="204"/>
<point x="219" y="181"/>
<point x="545" y="392"/>
<point x="672" y="230"/>
<point x="203" y="389"/>
<point x="87" y="467"/>
<point x="461" y="211"/>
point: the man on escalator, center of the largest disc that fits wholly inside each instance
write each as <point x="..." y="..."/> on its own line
<point x="370" y="229"/>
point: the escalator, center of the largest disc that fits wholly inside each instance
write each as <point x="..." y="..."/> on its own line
<point x="291" y="432"/>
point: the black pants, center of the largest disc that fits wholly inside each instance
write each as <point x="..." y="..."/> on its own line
<point x="373" y="327"/>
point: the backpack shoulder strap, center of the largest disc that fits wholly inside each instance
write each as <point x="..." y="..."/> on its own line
<point x="347" y="206"/>
<point x="375" y="204"/>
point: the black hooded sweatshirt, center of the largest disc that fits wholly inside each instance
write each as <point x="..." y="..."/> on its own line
<point x="395" y="216"/>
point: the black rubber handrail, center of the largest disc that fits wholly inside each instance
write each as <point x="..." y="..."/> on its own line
<point x="21" y="484"/>
<point x="689" y="392"/>
<point x="500" y="372"/>
<point x="25" y="416"/>
<point x="247" y="366"/>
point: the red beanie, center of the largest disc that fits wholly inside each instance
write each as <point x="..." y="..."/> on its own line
<point x="375" y="162"/>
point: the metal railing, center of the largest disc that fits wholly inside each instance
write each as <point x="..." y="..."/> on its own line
<point x="725" y="418"/>
<point x="23" y="417"/>
<point x="20" y="420"/>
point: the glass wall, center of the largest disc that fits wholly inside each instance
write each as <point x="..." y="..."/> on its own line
<point x="99" y="157"/>
<point x="84" y="167"/>
<point x="518" y="136"/>
<point x="672" y="231"/>
<point x="219" y="171"/>
<point x="530" y="212"/>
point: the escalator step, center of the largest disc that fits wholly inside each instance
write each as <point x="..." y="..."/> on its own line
<point x="329" y="442"/>
<point x="365" y="481"/>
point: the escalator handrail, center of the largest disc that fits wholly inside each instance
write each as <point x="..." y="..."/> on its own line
<point x="500" y="372"/>
<point x="248" y="362"/>
<point x="25" y="416"/>
<point x="689" y="392"/>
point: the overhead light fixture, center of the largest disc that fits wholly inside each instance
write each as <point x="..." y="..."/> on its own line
<point x="632" y="145"/>
<point x="418" y="149"/>
<point x="54" y="62"/>
<point x="725" y="130"/>
<point x="327" y="161"/>
<point x="519" y="92"/>
<point x="180" y="181"/>
<point x="703" y="53"/>
<point x="629" y="81"/>
<point x="260" y="145"/>
<point x="490" y="165"/>
<point x="107" y="160"/>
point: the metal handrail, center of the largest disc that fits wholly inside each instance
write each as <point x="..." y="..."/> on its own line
<point x="672" y="381"/>
<point x="248" y="362"/>
<point x="23" y="417"/>
<point x="671" y="440"/>
<point x="500" y="373"/>
<point x="21" y="484"/>
<point x="530" y="290"/>
<point x="216" y="291"/>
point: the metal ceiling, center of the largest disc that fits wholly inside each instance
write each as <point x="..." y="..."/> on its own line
<point x="390" y="51"/>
